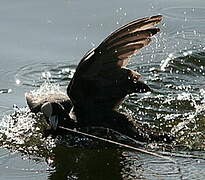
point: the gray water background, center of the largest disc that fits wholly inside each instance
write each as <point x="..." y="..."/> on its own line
<point x="37" y="37"/>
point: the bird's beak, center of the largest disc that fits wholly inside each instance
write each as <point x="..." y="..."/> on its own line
<point x="53" y="121"/>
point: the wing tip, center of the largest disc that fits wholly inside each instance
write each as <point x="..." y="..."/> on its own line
<point x="159" y="17"/>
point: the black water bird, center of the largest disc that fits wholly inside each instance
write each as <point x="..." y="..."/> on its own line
<point x="101" y="82"/>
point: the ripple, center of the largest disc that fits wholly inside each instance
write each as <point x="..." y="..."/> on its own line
<point x="5" y="91"/>
<point x="187" y="61"/>
<point x="17" y="166"/>
<point x="193" y="13"/>
<point x="35" y="74"/>
<point x="177" y="103"/>
<point x="135" y="167"/>
<point x="4" y="156"/>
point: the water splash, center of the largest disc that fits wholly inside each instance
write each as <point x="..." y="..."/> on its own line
<point x="16" y="124"/>
<point x="177" y="102"/>
<point x="165" y="62"/>
<point x="20" y="130"/>
<point x="48" y="89"/>
<point x="173" y="57"/>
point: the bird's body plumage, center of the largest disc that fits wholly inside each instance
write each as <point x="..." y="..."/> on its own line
<point x="101" y="80"/>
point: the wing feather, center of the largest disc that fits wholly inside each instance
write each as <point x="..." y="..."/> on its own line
<point x="111" y="55"/>
<point x="128" y="40"/>
<point x="132" y="27"/>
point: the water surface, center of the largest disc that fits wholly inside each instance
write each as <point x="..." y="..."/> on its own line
<point x="41" y="45"/>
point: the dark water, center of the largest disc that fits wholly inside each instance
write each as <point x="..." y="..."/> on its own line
<point x="41" y="44"/>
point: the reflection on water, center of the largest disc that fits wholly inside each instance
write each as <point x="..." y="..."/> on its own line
<point x="86" y="164"/>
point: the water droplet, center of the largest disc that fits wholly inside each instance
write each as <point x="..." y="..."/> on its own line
<point x="18" y="81"/>
<point x="171" y="55"/>
<point x="49" y="21"/>
<point x="46" y="75"/>
<point x="190" y="52"/>
<point x="185" y="53"/>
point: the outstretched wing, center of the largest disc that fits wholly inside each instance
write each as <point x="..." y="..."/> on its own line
<point x="113" y="54"/>
<point x="116" y="49"/>
<point x="130" y="38"/>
